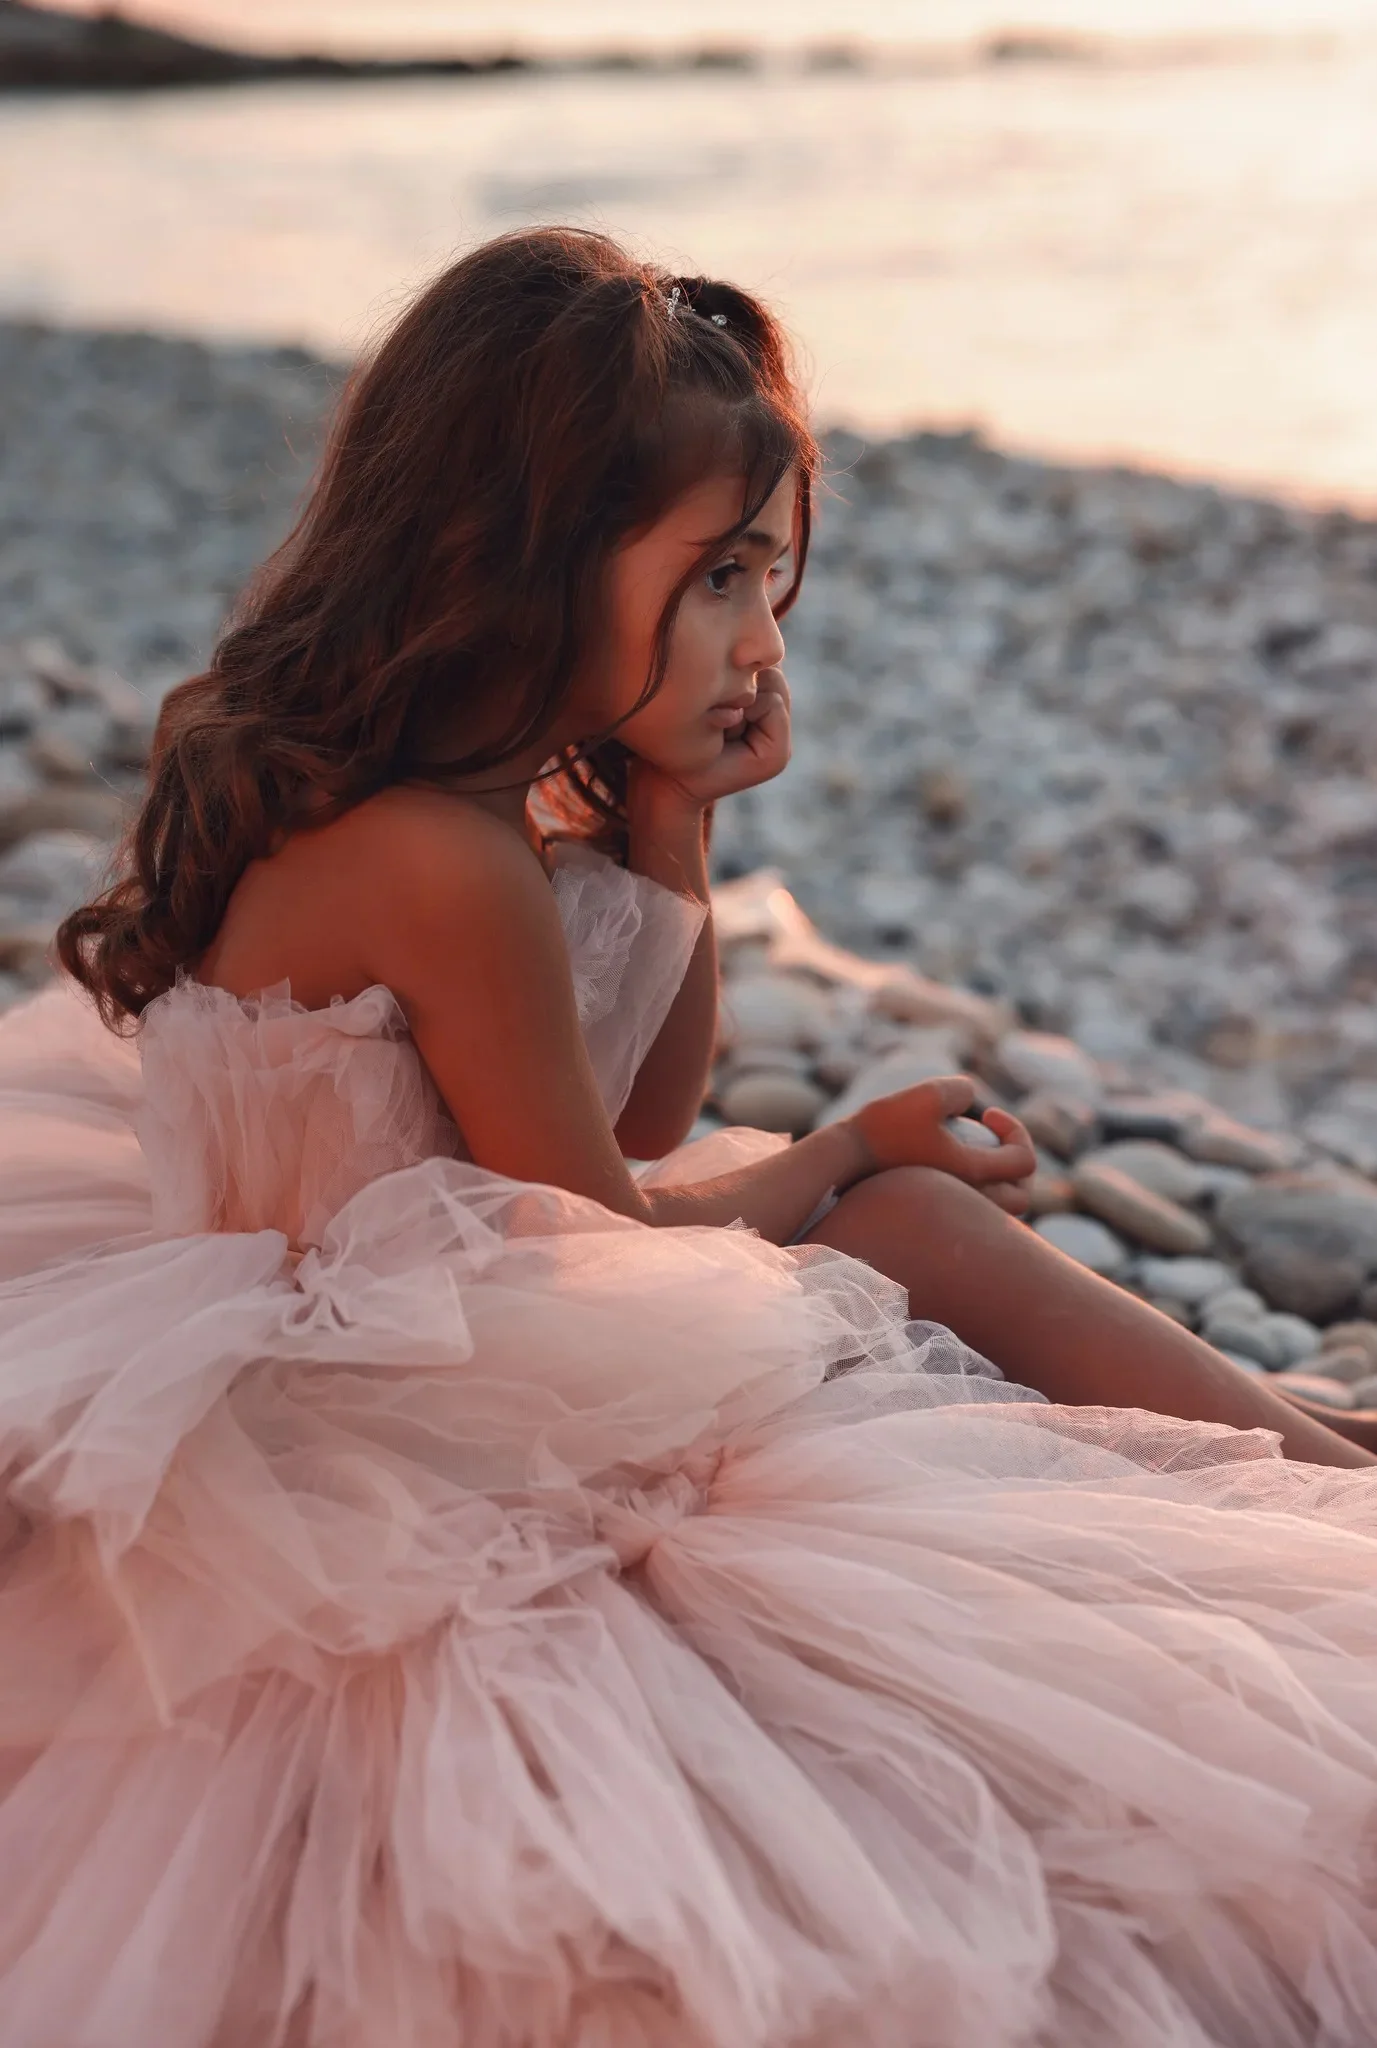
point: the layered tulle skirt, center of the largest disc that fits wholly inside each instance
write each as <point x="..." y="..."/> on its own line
<point x="510" y="1625"/>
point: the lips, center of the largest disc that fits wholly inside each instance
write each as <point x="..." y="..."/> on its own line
<point x="730" y="715"/>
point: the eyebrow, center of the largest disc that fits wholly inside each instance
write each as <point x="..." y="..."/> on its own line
<point x="756" y="536"/>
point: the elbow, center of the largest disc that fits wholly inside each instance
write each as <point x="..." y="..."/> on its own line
<point x="650" y="1137"/>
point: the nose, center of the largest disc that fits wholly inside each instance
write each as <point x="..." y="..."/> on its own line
<point x="761" y="644"/>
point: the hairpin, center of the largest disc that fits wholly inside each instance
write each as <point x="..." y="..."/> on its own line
<point x="717" y="319"/>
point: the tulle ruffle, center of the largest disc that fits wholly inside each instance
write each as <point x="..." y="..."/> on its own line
<point x="494" y="1619"/>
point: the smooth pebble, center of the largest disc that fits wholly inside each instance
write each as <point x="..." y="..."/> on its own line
<point x="1088" y="1242"/>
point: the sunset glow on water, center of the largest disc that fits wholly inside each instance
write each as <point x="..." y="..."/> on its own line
<point x="1168" y="258"/>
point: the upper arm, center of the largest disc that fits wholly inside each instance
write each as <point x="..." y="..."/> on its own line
<point x="463" y="927"/>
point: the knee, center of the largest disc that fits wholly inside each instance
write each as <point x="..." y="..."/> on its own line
<point x="921" y="1201"/>
<point x="913" y="1186"/>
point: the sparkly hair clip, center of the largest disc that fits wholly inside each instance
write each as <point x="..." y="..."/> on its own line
<point x="717" y="319"/>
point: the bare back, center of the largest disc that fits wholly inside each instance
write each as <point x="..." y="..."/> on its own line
<point x="445" y="905"/>
<point x="305" y="913"/>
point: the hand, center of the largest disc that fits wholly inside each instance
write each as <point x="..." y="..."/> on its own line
<point x="756" y="752"/>
<point x="910" y="1129"/>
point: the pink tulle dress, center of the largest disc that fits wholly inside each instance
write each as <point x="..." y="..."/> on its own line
<point x="435" y="1610"/>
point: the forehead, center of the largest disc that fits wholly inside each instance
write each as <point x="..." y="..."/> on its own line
<point x="716" y="503"/>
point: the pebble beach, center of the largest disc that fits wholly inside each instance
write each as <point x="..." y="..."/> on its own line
<point x="1083" y="801"/>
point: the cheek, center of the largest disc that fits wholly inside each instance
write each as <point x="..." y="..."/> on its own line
<point x="693" y="662"/>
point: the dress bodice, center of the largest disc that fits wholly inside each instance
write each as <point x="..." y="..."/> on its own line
<point x="260" y="1114"/>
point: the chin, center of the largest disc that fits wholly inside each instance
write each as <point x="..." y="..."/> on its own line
<point x="691" y="753"/>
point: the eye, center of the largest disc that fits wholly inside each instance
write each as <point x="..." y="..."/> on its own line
<point x="727" y="569"/>
<point x="776" y="574"/>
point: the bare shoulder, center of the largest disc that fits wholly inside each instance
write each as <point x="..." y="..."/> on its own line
<point x="435" y="876"/>
<point x="460" y="922"/>
<point x="427" y="839"/>
<point x="399" y="888"/>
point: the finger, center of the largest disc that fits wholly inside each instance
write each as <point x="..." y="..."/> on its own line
<point x="1006" y="1125"/>
<point x="1008" y="1195"/>
<point x="1006" y="1162"/>
<point x="767" y="703"/>
<point x="948" y="1095"/>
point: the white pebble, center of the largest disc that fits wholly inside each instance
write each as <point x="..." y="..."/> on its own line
<point x="1086" y="1241"/>
<point x="1295" y="1338"/>
<point x="971" y="1133"/>
<point x="1235" y="1305"/>
<point x="1188" y="1280"/>
<point x="1315" y="1387"/>
<point x="1248" y="1364"/>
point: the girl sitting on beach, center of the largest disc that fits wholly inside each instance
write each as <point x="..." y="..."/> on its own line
<point x="457" y="1588"/>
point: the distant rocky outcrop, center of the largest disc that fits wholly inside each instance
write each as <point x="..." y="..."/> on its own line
<point x="51" y="49"/>
<point x="44" y="48"/>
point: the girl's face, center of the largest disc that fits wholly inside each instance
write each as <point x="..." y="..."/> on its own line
<point x="724" y="634"/>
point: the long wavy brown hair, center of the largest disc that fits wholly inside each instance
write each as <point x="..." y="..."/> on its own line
<point x="547" y="396"/>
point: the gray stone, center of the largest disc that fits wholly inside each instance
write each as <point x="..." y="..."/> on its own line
<point x="968" y="1132"/>
<point x="838" y="1063"/>
<point x="1347" y="1363"/>
<point x="1307" y="1282"/>
<point x="1064" y="1127"/>
<point x="927" y="1056"/>
<point x="1049" y="1191"/>
<point x="1190" y="1281"/>
<point x="1218" y="1181"/>
<point x="1325" y="1392"/>
<point x="1361" y="1337"/>
<point x="96" y="812"/>
<point x="896" y="991"/>
<point x="1241" y="1304"/>
<point x="1248" y="1365"/>
<point x="22" y="704"/>
<point x="1309" y="1240"/>
<point x="1134" y="1210"/>
<point x="771" y="1102"/>
<point x="1293" y="1337"/>
<point x="52" y="872"/>
<point x="1221" y="1141"/>
<point x="1039" y="1062"/>
<point x="1177" y="1311"/>
<point x="774" y="1009"/>
<point x="25" y="951"/>
<point x="1364" y="1391"/>
<point x="753" y="1058"/>
<point x="1155" y="1118"/>
<point x="1159" y="1168"/>
<point x="71" y="746"/>
<point x="1164" y="899"/>
<point x="1088" y="1242"/>
<point x="1346" y="1124"/>
<point x="1245" y="1339"/>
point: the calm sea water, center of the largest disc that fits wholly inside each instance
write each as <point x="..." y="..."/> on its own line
<point x="1170" y="257"/>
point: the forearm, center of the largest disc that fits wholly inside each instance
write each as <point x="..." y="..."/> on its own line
<point x="669" y="843"/>
<point x="776" y="1195"/>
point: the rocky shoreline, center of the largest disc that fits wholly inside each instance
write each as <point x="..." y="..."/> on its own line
<point x="48" y="49"/>
<point x="51" y="49"/>
<point x="1084" y="800"/>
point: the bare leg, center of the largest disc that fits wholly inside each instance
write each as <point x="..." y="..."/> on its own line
<point x="1049" y="1323"/>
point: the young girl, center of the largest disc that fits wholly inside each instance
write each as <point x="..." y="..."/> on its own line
<point x="454" y="1589"/>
